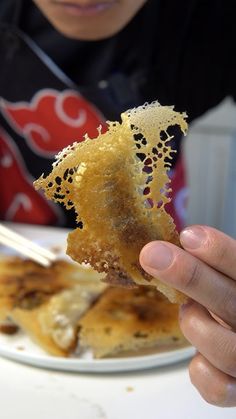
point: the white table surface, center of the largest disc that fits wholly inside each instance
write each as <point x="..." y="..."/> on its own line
<point x="160" y="393"/>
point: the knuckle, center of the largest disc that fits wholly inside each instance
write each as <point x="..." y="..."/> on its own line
<point x="187" y="323"/>
<point x="230" y="362"/>
<point x="187" y="328"/>
<point x="212" y="391"/>
<point x="229" y="307"/>
<point x="193" y="275"/>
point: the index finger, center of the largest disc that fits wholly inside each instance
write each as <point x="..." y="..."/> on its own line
<point x="211" y="246"/>
<point x="193" y="277"/>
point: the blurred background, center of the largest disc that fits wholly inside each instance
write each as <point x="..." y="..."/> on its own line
<point x="210" y="152"/>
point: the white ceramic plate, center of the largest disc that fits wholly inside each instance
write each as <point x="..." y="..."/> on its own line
<point x="20" y="348"/>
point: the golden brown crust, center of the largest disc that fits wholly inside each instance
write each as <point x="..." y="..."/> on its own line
<point x="25" y="284"/>
<point x="130" y="320"/>
<point x="73" y="298"/>
<point x="118" y="185"/>
<point x="29" y="322"/>
<point x="46" y="302"/>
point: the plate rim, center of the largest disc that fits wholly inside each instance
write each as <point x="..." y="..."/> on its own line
<point x="132" y="363"/>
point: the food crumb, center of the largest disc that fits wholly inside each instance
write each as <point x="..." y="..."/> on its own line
<point x="8" y="328"/>
<point x="129" y="389"/>
<point x="20" y="348"/>
<point x="56" y="249"/>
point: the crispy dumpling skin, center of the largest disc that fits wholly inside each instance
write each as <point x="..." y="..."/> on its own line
<point x="118" y="185"/>
<point x="127" y="321"/>
<point x="46" y="303"/>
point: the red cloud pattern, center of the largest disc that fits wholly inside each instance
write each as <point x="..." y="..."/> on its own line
<point x="49" y="122"/>
<point x="53" y="120"/>
<point x="19" y="201"/>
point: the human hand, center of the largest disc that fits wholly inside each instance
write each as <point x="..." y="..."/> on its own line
<point x="204" y="270"/>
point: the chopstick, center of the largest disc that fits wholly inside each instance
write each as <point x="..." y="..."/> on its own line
<point x="26" y="247"/>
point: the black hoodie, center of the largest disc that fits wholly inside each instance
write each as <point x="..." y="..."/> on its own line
<point x="54" y="89"/>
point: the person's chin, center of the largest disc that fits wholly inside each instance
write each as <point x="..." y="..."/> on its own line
<point x="85" y="34"/>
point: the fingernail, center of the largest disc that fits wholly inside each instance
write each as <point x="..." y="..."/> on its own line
<point x="157" y="256"/>
<point x="193" y="237"/>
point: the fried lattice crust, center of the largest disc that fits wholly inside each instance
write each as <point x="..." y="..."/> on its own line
<point x="118" y="185"/>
